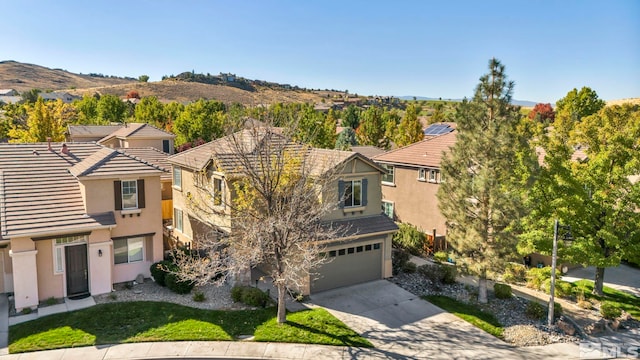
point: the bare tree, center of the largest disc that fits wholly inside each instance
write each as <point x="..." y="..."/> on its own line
<point x="271" y="213"/>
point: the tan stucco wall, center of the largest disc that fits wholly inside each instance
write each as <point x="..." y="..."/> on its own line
<point x="100" y="267"/>
<point x="49" y="284"/>
<point x="154" y="143"/>
<point x="415" y="202"/>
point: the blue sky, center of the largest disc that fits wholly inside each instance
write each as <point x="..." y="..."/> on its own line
<point x="421" y="48"/>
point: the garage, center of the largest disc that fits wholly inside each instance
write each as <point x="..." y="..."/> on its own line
<point x="350" y="264"/>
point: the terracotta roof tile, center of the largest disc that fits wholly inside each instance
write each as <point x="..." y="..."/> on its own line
<point x="152" y="156"/>
<point x="108" y="162"/>
<point x="427" y="152"/>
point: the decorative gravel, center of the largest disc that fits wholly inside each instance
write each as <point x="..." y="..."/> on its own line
<point x="519" y="330"/>
<point x="216" y="297"/>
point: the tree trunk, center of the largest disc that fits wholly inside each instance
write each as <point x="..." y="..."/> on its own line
<point x="482" y="288"/>
<point x="282" y="309"/>
<point x="598" y="284"/>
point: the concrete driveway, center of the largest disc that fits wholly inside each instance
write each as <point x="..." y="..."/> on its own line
<point x="401" y="325"/>
<point x="623" y="277"/>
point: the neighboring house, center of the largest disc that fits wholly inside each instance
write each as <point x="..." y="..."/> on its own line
<point x="9" y="92"/>
<point x="139" y="135"/>
<point x="409" y="188"/>
<point x="362" y="254"/>
<point x="64" y="96"/>
<point x="75" y="219"/>
<point x="89" y="133"/>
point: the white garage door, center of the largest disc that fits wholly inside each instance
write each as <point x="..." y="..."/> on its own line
<point x="349" y="265"/>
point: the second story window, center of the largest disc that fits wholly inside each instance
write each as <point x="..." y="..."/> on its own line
<point x="353" y="193"/>
<point x="422" y="174"/>
<point x="388" y="178"/>
<point x="177" y="177"/>
<point x="129" y="194"/>
<point x="432" y="175"/>
<point x="218" y="193"/>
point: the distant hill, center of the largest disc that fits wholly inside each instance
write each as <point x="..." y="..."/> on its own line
<point x="24" y="77"/>
<point x="524" y="103"/>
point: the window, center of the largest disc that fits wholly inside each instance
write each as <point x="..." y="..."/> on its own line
<point x="422" y="174"/>
<point x="376" y="246"/>
<point x="129" y="194"/>
<point x="351" y="250"/>
<point x="387" y="208"/>
<point x="128" y="250"/>
<point x="341" y="252"/>
<point x="177" y="177"/>
<point x="432" y="175"/>
<point x="367" y="247"/>
<point x="218" y="194"/>
<point x="441" y="177"/>
<point x="177" y="219"/>
<point x="166" y="146"/>
<point x="388" y="178"/>
<point x="352" y="193"/>
<point x="359" y="249"/>
<point x="332" y="253"/>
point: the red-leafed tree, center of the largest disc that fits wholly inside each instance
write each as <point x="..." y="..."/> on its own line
<point x="542" y="112"/>
<point x="133" y="95"/>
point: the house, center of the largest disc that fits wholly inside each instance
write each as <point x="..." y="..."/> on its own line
<point x="412" y="180"/>
<point x="362" y="253"/>
<point x="64" y="96"/>
<point x="75" y="219"/>
<point x="9" y="92"/>
<point x="130" y="135"/>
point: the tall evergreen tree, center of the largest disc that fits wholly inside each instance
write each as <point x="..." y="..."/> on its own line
<point x="485" y="171"/>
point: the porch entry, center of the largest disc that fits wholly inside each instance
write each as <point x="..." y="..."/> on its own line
<point x="77" y="271"/>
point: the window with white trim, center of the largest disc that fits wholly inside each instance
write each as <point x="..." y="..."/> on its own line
<point x="387" y="208"/>
<point x="177" y="219"/>
<point x="218" y="191"/>
<point x="58" y="250"/>
<point x="177" y="177"/>
<point x="432" y="175"/>
<point x="388" y="177"/>
<point x="422" y="174"/>
<point x="129" y="194"/>
<point x="128" y="250"/>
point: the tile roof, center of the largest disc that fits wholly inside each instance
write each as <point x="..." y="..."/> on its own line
<point x="153" y="156"/>
<point x="427" y="152"/>
<point x="91" y="130"/>
<point x="37" y="193"/>
<point x="137" y="130"/>
<point x="367" y="150"/>
<point x="111" y="163"/>
<point x="578" y="155"/>
<point x="364" y="225"/>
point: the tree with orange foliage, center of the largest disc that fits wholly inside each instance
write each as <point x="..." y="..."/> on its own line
<point x="543" y="113"/>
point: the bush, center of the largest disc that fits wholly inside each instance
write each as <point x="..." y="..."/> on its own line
<point x="535" y="310"/>
<point x="439" y="273"/>
<point x="409" y="267"/>
<point x="502" y="291"/>
<point x="198" y="296"/>
<point x="440" y="256"/>
<point x="250" y="296"/>
<point x="584" y="304"/>
<point x="159" y="272"/>
<point x="514" y="273"/>
<point x="179" y="287"/>
<point x="537" y="276"/>
<point x="410" y="239"/>
<point x="399" y="260"/>
<point x="557" y="310"/>
<point x="564" y="289"/>
<point x="610" y="310"/>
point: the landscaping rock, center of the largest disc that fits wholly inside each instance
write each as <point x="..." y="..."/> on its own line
<point x="566" y="327"/>
<point x="140" y="279"/>
<point x="596" y="328"/>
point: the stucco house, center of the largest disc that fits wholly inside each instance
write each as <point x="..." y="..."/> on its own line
<point x="412" y="180"/>
<point x="132" y="135"/>
<point x="75" y="219"/>
<point x="362" y="253"/>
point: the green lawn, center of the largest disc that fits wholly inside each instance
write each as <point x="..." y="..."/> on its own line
<point x="128" y="322"/>
<point x="625" y="301"/>
<point x="469" y="313"/>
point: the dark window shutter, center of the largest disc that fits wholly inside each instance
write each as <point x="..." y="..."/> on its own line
<point x="340" y="194"/>
<point x="364" y="192"/>
<point x="140" y="191"/>
<point x="117" y="193"/>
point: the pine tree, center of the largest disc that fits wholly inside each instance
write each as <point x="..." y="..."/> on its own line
<point x="485" y="172"/>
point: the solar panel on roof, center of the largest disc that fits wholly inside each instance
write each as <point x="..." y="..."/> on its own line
<point x="437" y="129"/>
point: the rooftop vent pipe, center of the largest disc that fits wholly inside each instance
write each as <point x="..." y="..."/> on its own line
<point x="65" y="149"/>
<point x="49" y="144"/>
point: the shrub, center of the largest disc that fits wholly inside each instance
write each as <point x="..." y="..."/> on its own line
<point x="502" y="291"/>
<point x="159" y="271"/>
<point x="27" y="311"/>
<point x="557" y="310"/>
<point x="537" y="276"/>
<point x="409" y="267"/>
<point x="198" y="296"/>
<point x="535" y="310"/>
<point x="176" y="285"/>
<point x="514" y="273"/>
<point x="51" y="301"/>
<point x="410" y="239"/>
<point x="610" y="310"/>
<point x="439" y="273"/>
<point x="440" y="256"/>
<point x="584" y="304"/>
<point x="250" y="296"/>
<point x="399" y="259"/>
<point x="563" y="288"/>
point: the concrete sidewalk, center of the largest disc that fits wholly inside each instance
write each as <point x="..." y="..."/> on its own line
<point x="68" y="305"/>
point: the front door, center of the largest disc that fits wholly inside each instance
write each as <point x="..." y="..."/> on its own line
<point x="77" y="272"/>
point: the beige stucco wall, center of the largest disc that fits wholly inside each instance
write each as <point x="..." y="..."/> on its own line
<point x="49" y="284"/>
<point x="154" y="143"/>
<point x="100" y="267"/>
<point x="415" y="201"/>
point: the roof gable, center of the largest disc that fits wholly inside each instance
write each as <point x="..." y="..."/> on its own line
<point x="138" y="130"/>
<point x="112" y="163"/>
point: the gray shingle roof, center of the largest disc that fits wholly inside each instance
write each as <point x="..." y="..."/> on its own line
<point x="363" y="226"/>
